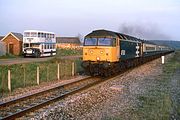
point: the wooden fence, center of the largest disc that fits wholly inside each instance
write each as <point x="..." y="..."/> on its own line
<point x="17" y="76"/>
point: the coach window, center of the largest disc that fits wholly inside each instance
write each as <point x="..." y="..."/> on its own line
<point x="27" y="34"/>
<point x="26" y="45"/>
<point x="39" y="34"/>
<point x="33" y="34"/>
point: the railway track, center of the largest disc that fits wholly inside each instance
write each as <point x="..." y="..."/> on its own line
<point x="21" y="106"/>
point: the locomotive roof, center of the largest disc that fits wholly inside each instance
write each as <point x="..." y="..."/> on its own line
<point x="103" y="33"/>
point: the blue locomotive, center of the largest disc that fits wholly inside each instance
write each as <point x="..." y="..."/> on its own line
<point x="107" y="52"/>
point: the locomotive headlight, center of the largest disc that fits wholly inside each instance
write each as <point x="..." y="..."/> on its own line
<point x="91" y="52"/>
<point x="101" y="52"/>
<point x="98" y="58"/>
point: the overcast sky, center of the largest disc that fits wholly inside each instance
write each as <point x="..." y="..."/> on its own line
<point x="73" y="17"/>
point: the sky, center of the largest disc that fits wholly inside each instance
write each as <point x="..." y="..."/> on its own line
<point x="147" y="19"/>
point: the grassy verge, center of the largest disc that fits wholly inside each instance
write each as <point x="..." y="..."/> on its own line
<point x="23" y="75"/>
<point x="9" y="56"/>
<point x="158" y="103"/>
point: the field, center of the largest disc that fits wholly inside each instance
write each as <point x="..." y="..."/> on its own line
<point x="162" y="100"/>
<point x="67" y="52"/>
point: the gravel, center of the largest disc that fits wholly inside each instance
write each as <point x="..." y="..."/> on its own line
<point x="33" y="89"/>
<point x="110" y="100"/>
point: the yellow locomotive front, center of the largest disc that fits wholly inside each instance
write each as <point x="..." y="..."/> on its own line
<point x="100" y="51"/>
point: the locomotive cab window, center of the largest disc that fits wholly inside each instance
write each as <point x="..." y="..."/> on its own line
<point x="100" y="42"/>
<point x="90" y="41"/>
<point x="106" y="42"/>
<point x="114" y="42"/>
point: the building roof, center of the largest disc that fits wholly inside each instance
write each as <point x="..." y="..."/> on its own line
<point x="18" y="36"/>
<point x="68" y="40"/>
<point x="1" y="37"/>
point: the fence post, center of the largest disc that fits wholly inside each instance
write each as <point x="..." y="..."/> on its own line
<point x="162" y="57"/>
<point x="24" y="76"/>
<point x="9" y="80"/>
<point x="47" y="75"/>
<point x="58" y="72"/>
<point x="38" y="75"/>
<point x="73" y="69"/>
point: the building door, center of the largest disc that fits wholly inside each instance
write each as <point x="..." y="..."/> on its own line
<point x="11" y="48"/>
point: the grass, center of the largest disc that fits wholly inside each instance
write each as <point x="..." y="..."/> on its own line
<point x="68" y="52"/>
<point x="23" y="75"/>
<point x="60" y="52"/>
<point x="9" y="56"/>
<point x="158" y="103"/>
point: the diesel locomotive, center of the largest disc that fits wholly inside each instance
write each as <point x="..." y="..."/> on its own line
<point x="107" y="52"/>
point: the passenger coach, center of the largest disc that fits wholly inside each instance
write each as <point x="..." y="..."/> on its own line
<point x="39" y="43"/>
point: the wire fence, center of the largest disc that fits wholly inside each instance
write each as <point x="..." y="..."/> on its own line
<point x="23" y="75"/>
